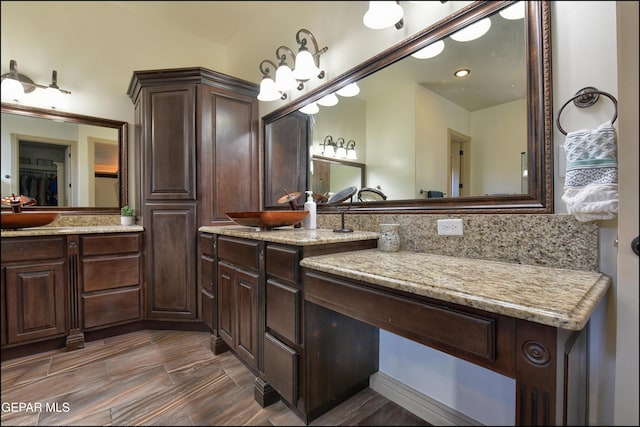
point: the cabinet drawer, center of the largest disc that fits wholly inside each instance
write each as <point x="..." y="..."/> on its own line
<point x="283" y="308"/>
<point x="111" y="308"/>
<point x="241" y="252"/>
<point x="109" y="244"/>
<point x="281" y="368"/>
<point x="32" y="249"/>
<point x="110" y="272"/>
<point x="283" y="263"/>
<point x="205" y="242"/>
<point x="454" y="331"/>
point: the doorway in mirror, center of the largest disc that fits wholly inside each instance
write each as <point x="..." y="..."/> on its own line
<point x="42" y="171"/>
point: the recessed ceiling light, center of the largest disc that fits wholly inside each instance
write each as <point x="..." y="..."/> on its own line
<point x="464" y="72"/>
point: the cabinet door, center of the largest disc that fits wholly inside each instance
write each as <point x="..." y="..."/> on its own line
<point x="247" y="316"/>
<point x="226" y="303"/>
<point x="171" y="262"/>
<point x="228" y="154"/>
<point x="169" y="144"/>
<point x="35" y="297"/>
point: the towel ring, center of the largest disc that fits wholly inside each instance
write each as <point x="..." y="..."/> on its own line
<point x="584" y="98"/>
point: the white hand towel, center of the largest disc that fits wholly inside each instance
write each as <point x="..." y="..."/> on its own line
<point x="591" y="179"/>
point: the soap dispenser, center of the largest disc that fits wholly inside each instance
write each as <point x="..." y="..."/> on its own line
<point x="309" y="221"/>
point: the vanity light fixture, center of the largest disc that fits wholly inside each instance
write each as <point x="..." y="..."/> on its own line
<point x="328" y="146"/>
<point x="383" y="14"/>
<point x="431" y="51"/>
<point x="463" y="72"/>
<point x="268" y="90"/>
<point x="513" y="12"/>
<point x="338" y="148"/>
<point x="15" y="86"/>
<point x="352" y="89"/>
<point x="341" y="151"/>
<point x="328" y="100"/>
<point x="306" y="66"/>
<point x="351" y="150"/>
<point x="311" y="108"/>
<point x="284" y="75"/>
<point x="473" y="31"/>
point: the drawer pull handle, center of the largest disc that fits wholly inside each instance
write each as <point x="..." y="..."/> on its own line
<point x="73" y="244"/>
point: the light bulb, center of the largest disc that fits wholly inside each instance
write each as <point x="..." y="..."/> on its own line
<point x="382" y="14"/>
<point x="473" y="31"/>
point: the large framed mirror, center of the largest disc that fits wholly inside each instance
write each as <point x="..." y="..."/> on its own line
<point x="430" y="141"/>
<point x="64" y="161"/>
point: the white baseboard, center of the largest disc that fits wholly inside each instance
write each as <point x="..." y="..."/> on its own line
<point x="417" y="403"/>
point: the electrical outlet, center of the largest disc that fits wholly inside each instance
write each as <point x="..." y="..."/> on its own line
<point x="450" y="227"/>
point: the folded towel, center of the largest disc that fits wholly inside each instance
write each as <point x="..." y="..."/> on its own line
<point x="591" y="179"/>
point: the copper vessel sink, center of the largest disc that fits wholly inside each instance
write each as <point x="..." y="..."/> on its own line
<point x="12" y="221"/>
<point x="267" y="219"/>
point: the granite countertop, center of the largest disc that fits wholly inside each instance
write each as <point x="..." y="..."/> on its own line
<point x="290" y="235"/>
<point x="79" y="229"/>
<point x="551" y="296"/>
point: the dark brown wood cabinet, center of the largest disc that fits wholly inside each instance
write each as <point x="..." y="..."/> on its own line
<point x="110" y="285"/>
<point x="54" y="288"/>
<point x="262" y="316"/>
<point x="308" y="355"/>
<point x="34" y="281"/>
<point x="197" y="140"/>
<point x="238" y="279"/>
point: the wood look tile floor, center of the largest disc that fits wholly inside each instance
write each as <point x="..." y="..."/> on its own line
<point x="159" y="378"/>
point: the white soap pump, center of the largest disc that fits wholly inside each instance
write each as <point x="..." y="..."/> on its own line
<point x="310" y="220"/>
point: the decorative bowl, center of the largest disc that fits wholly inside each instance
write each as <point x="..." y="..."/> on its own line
<point x="267" y="219"/>
<point x="12" y="221"/>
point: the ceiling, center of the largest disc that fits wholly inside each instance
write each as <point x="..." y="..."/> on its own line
<point x="218" y="22"/>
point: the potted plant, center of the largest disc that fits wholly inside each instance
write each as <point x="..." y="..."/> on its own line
<point x="127" y="215"/>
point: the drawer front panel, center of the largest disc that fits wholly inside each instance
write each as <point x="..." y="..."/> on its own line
<point x="437" y="326"/>
<point x="109" y="244"/>
<point x="32" y="249"/>
<point x="240" y="252"/>
<point x="205" y="243"/>
<point x="110" y="272"/>
<point x="111" y="308"/>
<point x="281" y="368"/>
<point x="283" y="263"/>
<point x="283" y="308"/>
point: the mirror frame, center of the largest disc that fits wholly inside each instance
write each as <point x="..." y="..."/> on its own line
<point x="123" y="171"/>
<point x="539" y="198"/>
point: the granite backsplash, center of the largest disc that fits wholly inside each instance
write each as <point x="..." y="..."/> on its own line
<point x="544" y="240"/>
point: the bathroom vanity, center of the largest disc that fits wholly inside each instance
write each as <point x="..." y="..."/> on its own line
<point x="60" y="282"/>
<point x="524" y="322"/>
<point x="300" y="352"/>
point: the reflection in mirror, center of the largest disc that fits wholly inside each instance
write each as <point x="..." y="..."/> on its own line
<point x="420" y="127"/>
<point x="64" y="161"/>
<point x="421" y="130"/>
<point x="329" y="176"/>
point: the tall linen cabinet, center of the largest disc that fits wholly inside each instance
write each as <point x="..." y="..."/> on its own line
<point x="197" y="146"/>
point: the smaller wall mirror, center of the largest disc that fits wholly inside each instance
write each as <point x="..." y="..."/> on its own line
<point x="62" y="160"/>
